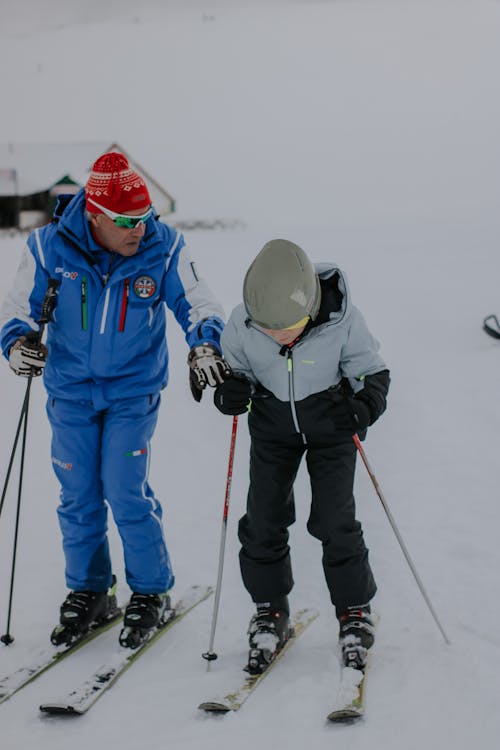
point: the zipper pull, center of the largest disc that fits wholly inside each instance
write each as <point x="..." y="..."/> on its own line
<point x="123" y="311"/>
<point x="84" y="303"/>
<point x="105" y="276"/>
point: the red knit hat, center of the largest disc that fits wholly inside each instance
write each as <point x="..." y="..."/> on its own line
<point x="114" y="185"/>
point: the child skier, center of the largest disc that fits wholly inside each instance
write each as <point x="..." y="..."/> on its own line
<point x="308" y="371"/>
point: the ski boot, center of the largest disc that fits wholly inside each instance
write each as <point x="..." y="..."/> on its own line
<point x="356" y="635"/>
<point x="83" y="611"/>
<point x="144" y="614"/>
<point x="268" y="631"/>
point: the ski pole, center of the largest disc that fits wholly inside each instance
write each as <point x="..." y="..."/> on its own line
<point x="404" y="549"/>
<point x="210" y="655"/>
<point x="7" y="638"/>
<point x="14" y="447"/>
<point x="48" y="306"/>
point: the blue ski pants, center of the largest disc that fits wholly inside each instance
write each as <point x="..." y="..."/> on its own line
<point x="101" y="458"/>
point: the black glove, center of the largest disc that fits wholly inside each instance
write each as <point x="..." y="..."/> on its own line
<point x="361" y="414"/>
<point x="233" y="395"/>
<point x="350" y="414"/>
<point x="206" y="367"/>
<point x="27" y="356"/>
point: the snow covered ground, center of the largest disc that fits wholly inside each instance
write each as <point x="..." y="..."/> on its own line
<point x="367" y="131"/>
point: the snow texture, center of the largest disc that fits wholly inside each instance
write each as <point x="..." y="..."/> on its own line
<point x="367" y="132"/>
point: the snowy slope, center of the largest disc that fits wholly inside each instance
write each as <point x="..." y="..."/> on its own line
<point x="368" y="133"/>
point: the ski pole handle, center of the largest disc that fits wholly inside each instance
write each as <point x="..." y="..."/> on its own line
<point x="49" y="304"/>
<point x="492" y="330"/>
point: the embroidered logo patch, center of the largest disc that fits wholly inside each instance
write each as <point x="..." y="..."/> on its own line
<point x="144" y="286"/>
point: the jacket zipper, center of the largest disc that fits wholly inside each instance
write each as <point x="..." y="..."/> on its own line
<point x="289" y="361"/>
<point x="84" y="302"/>
<point x="123" y="311"/>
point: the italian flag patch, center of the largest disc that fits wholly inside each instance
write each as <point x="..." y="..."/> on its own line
<point x="140" y="452"/>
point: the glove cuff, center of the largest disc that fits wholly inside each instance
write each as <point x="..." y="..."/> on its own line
<point x="201" y="350"/>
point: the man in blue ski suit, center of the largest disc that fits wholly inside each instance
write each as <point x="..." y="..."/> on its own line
<point x="106" y="363"/>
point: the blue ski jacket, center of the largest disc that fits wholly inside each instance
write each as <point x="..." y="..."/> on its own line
<point x="107" y="340"/>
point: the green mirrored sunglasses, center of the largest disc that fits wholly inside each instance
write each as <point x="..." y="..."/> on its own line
<point x="122" y="220"/>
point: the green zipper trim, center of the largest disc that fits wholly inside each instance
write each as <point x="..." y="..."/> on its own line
<point x="85" y="322"/>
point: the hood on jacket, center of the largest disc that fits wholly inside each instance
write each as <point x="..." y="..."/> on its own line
<point x="335" y="295"/>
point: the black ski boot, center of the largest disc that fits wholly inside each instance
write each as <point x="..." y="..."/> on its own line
<point x="356" y="635"/>
<point x="144" y="614"/>
<point x="268" y="631"/>
<point x="82" y="611"/>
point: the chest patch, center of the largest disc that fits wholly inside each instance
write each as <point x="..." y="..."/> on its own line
<point x="144" y="286"/>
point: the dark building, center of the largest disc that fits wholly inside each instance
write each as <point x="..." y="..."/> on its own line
<point x="32" y="175"/>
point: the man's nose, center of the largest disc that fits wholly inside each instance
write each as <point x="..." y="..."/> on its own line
<point x="138" y="230"/>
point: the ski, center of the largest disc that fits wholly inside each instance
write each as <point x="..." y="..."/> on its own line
<point x="79" y="700"/>
<point x="234" y="700"/>
<point x="349" y="704"/>
<point x="49" y="657"/>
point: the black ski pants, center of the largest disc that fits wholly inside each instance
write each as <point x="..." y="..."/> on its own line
<point x="263" y="531"/>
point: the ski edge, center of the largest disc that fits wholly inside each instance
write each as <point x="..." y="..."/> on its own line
<point x="233" y="701"/>
<point x="60" y="709"/>
<point x="215" y="707"/>
<point x="346" y="714"/>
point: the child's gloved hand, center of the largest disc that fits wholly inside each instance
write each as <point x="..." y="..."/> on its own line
<point x="233" y="396"/>
<point x="350" y="414"/>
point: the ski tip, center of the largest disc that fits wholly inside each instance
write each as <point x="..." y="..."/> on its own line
<point x="214" y="707"/>
<point x="59" y="709"/>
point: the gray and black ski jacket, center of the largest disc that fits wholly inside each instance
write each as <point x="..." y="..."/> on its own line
<point x="295" y="385"/>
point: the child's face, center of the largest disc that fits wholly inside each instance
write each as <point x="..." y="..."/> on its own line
<point x="284" y="336"/>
